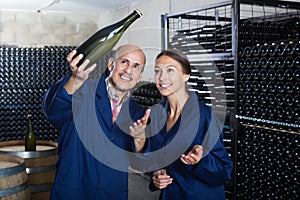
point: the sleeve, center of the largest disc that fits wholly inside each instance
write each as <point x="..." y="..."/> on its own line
<point x="152" y="187"/>
<point x="57" y="103"/>
<point x="215" y="166"/>
<point x="140" y="161"/>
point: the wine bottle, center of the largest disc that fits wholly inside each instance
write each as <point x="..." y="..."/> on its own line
<point x="271" y="74"/>
<point x="262" y="62"/>
<point x="280" y="75"/>
<point x="280" y="49"/>
<point x="280" y="87"/>
<point x="105" y="39"/>
<point x="289" y="87"/>
<point x="255" y="86"/>
<point x="289" y="48"/>
<point x="296" y="63"/>
<point x="30" y="137"/>
<point x="247" y="52"/>
<point x="254" y="62"/>
<point x="263" y="50"/>
<point x="271" y="50"/>
<point x="288" y="62"/>
<point x="296" y="48"/>
<point x="279" y="62"/>
<point x="263" y="74"/>
<point x="263" y="86"/>
<point x="271" y="87"/>
<point x="255" y="50"/>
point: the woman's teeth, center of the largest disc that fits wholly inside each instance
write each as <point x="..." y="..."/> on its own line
<point x="165" y="85"/>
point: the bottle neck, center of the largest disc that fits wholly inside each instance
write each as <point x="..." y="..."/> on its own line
<point x="29" y="126"/>
<point x="130" y="19"/>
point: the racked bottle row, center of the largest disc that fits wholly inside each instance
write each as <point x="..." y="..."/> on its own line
<point x="269" y="86"/>
<point x="267" y="167"/>
<point x="26" y="74"/>
<point x="146" y="94"/>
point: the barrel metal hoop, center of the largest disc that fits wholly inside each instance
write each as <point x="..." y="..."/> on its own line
<point x="14" y="190"/>
<point x="12" y="170"/>
<point x="40" y="188"/>
<point x="30" y="170"/>
<point x="32" y="154"/>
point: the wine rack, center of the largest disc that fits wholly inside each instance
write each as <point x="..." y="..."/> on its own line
<point x="268" y="166"/>
<point x="146" y="94"/>
<point x="25" y="75"/>
<point x="253" y="47"/>
<point x="269" y="86"/>
<point x="207" y="43"/>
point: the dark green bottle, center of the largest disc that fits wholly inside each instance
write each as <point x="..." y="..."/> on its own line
<point x="30" y="137"/>
<point x="105" y="39"/>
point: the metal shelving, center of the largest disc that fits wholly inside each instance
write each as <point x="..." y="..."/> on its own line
<point x="225" y="41"/>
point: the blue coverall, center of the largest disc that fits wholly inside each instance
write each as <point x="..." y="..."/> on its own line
<point x="81" y="174"/>
<point x="204" y="180"/>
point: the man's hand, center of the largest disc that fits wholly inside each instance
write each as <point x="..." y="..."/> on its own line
<point x="137" y="131"/>
<point x="161" y="179"/>
<point x="80" y="74"/>
<point x="194" y="156"/>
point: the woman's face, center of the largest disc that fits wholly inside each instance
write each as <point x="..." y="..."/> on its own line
<point x="169" y="77"/>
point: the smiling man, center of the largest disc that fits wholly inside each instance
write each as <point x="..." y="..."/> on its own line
<point x="77" y="106"/>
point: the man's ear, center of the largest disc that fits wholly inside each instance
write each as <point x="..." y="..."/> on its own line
<point x="140" y="78"/>
<point x="110" y="64"/>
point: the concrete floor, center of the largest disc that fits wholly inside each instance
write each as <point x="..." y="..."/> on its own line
<point x="138" y="188"/>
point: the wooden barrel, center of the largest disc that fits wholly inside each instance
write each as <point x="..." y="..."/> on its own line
<point x="40" y="165"/>
<point x="13" y="178"/>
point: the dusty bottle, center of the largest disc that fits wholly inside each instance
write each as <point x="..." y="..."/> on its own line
<point x="105" y="39"/>
<point x="30" y="137"/>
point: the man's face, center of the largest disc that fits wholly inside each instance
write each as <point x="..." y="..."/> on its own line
<point x="126" y="70"/>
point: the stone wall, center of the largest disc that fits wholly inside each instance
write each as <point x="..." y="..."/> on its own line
<point x="31" y="29"/>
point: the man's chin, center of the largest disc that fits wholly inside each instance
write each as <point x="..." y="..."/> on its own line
<point x="121" y="89"/>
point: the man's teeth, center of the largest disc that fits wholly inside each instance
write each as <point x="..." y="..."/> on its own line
<point x="126" y="78"/>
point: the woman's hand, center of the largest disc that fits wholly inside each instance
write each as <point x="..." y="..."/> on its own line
<point x="194" y="156"/>
<point x="161" y="179"/>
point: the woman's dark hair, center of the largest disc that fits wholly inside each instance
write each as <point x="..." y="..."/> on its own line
<point x="179" y="57"/>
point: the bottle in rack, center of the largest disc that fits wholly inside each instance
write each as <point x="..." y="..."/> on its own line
<point x="105" y="39"/>
<point x="30" y="137"/>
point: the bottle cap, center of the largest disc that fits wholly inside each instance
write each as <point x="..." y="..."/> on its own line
<point x="139" y="12"/>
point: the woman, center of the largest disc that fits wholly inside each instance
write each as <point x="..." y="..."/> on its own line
<point x="200" y="173"/>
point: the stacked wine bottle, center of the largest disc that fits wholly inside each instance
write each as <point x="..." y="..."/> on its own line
<point x="268" y="111"/>
<point x="268" y="164"/>
<point x="252" y="32"/>
<point x="25" y="75"/>
<point x="269" y="83"/>
<point x="146" y="94"/>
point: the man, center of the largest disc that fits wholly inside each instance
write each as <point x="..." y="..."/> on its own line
<point x="91" y="134"/>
